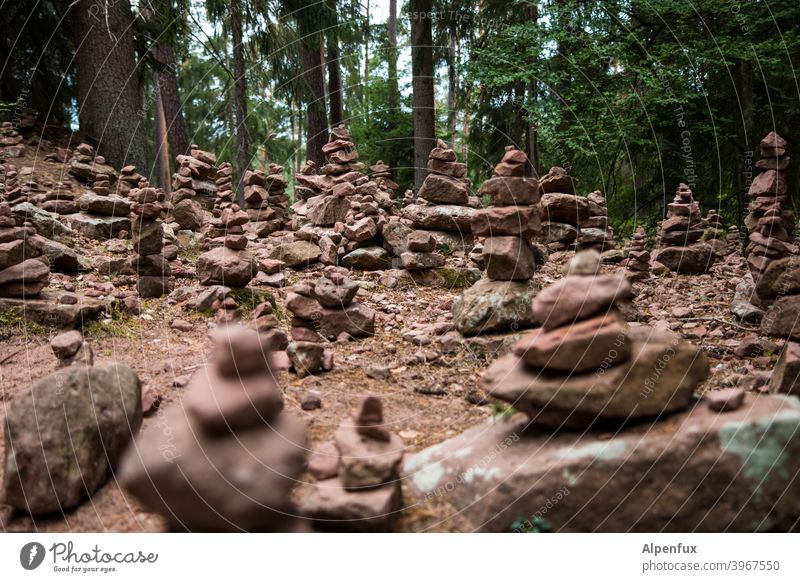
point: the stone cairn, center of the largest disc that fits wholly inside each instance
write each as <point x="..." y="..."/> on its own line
<point x="501" y="301"/>
<point x="328" y="309"/>
<point x="714" y="229"/>
<point x="129" y="179"/>
<point x="88" y="168"/>
<point x="595" y="231"/>
<point x="11" y="145"/>
<point x="147" y="232"/>
<point x="443" y="204"/>
<point x="512" y="221"/>
<point x="585" y="368"/>
<point x="328" y="203"/>
<point x="227" y="263"/>
<point x="637" y="263"/>
<point x="265" y="200"/>
<point x="562" y="210"/>
<point x="420" y="254"/>
<point x="186" y="211"/>
<point x="72" y="350"/>
<point x="358" y="484"/>
<point x="680" y="247"/>
<point x="225" y="194"/>
<point x="342" y="210"/>
<point x="770" y="222"/>
<point x="734" y="241"/>
<point x="23" y="273"/>
<point x="383" y="178"/>
<point x="773" y="261"/>
<point x="104" y="214"/>
<point x="230" y="458"/>
<point x="11" y="188"/>
<point x="60" y="199"/>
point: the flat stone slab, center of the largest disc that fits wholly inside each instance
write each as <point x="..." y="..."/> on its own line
<point x="698" y="470"/>
<point x="98" y="227"/>
<point x="46" y="309"/>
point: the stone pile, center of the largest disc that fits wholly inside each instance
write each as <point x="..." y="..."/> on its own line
<point x="501" y="301"/>
<point x="11" y="188"/>
<point x="443" y="204"/>
<point x="72" y="350"/>
<point x="186" y="211"/>
<point x="265" y="200"/>
<point x="230" y="457"/>
<point x="358" y="485"/>
<point x="770" y="223"/>
<point x="328" y="203"/>
<point x="584" y="367"/>
<point x="342" y="210"/>
<point x="562" y="210"/>
<point x="512" y="221"/>
<point x="60" y="199"/>
<point x="714" y="229"/>
<point x="23" y="270"/>
<point x="680" y="248"/>
<point x="383" y="178"/>
<point x="734" y="241"/>
<point x="309" y="184"/>
<point x="11" y="145"/>
<point x="88" y="167"/>
<point x="420" y="254"/>
<point x="328" y="309"/>
<point x="147" y="231"/>
<point x="637" y="263"/>
<point x="225" y="194"/>
<point x="595" y="231"/>
<point x="129" y="179"/>
<point x="103" y="214"/>
<point x="228" y="263"/>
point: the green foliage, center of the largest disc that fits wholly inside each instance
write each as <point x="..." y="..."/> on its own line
<point x="636" y="96"/>
<point x="121" y="324"/>
<point x="456" y="278"/>
<point x="502" y="411"/>
<point x="249" y="298"/>
<point x="12" y="323"/>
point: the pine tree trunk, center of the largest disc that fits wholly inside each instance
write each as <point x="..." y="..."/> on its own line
<point x="393" y="97"/>
<point x="317" y="122"/>
<point x="422" y="86"/>
<point x="242" y="146"/>
<point x="167" y="79"/>
<point x="452" y="83"/>
<point x="162" y="140"/>
<point x="334" y="70"/>
<point x="108" y="82"/>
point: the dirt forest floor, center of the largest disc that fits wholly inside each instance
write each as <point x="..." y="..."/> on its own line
<point x="429" y="395"/>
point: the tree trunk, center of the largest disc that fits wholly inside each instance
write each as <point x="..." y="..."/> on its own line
<point x="162" y="142"/>
<point x="452" y="83"/>
<point x="317" y="122"/>
<point x="422" y="86"/>
<point x="167" y="79"/>
<point x="108" y="82"/>
<point x="393" y="97"/>
<point x="334" y="70"/>
<point x="366" y="60"/>
<point x="242" y="146"/>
